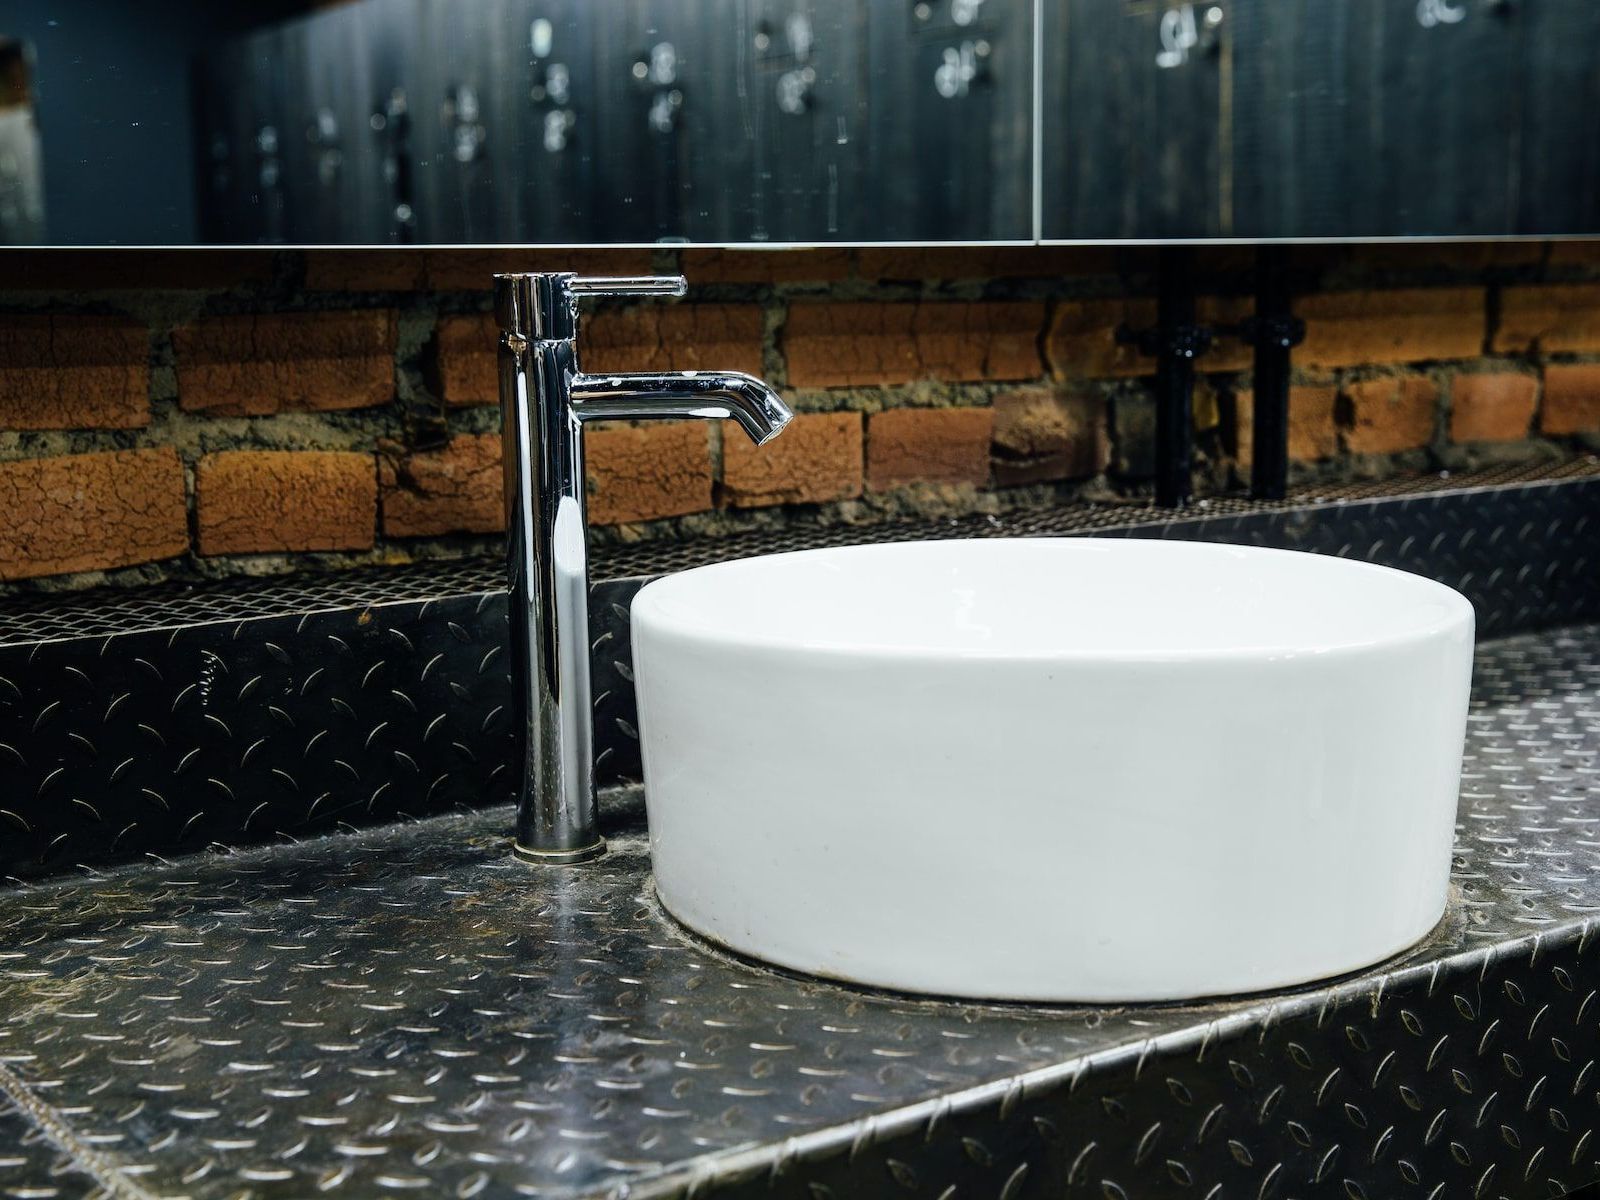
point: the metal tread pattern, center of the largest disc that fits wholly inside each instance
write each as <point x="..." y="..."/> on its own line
<point x="106" y="612"/>
<point x="408" y="1010"/>
<point x="32" y="1168"/>
<point x="1088" y="517"/>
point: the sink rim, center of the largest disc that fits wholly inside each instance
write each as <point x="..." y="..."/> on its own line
<point x="660" y="606"/>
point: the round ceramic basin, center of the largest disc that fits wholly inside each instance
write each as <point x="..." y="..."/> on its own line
<point x="1054" y="769"/>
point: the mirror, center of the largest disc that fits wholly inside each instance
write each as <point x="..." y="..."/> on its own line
<point x="393" y="122"/>
<point x="1319" y="118"/>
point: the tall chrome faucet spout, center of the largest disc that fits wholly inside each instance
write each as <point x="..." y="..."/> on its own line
<point x="544" y="403"/>
<point x="758" y="409"/>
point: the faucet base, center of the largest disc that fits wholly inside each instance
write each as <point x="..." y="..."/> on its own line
<point x="559" y="858"/>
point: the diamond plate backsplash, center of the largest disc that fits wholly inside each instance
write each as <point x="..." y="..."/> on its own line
<point x="158" y="724"/>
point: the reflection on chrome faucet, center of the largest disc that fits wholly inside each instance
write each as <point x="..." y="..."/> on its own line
<point x="545" y="401"/>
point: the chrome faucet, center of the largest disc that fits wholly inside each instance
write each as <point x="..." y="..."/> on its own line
<point x="544" y="403"/>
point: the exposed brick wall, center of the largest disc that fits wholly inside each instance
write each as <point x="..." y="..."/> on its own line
<point x="1493" y="406"/>
<point x="203" y="413"/>
<point x="1313" y="425"/>
<point x="929" y="445"/>
<point x="260" y="501"/>
<point x="853" y="344"/>
<point x="816" y="459"/>
<point x="83" y="512"/>
<point x="74" y="372"/>
<point x="647" y="471"/>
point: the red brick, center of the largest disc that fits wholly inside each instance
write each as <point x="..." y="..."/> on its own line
<point x="816" y="264"/>
<point x="1313" y="428"/>
<point x="264" y="501"/>
<point x="861" y="344"/>
<point x="1391" y="414"/>
<point x="928" y="445"/>
<point x="1550" y="320"/>
<point x="1083" y="344"/>
<point x="256" y="364"/>
<point x="1403" y="325"/>
<point x="474" y="270"/>
<point x="70" y="372"/>
<point x="647" y="471"/>
<point x="365" y="270"/>
<point x="1226" y="353"/>
<point x="983" y="262"/>
<point x="455" y="489"/>
<point x="1045" y="434"/>
<point x="135" y="270"/>
<point x="1571" y="399"/>
<point x="91" y="512"/>
<point x="466" y="360"/>
<point x="672" y="337"/>
<point x="816" y="459"/>
<point x="1492" y="406"/>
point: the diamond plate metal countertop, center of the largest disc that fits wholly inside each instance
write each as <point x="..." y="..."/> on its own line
<point x="408" y="1010"/>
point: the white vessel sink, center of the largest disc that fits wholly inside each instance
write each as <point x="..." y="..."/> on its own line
<point x="1054" y="769"/>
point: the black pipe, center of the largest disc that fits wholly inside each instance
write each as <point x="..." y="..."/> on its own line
<point x="1178" y="341"/>
<point x="1273" y="330"/>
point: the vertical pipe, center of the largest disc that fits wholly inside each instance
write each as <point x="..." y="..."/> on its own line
<point x="1269" y="442"/>
<point x="1175" y="353"/>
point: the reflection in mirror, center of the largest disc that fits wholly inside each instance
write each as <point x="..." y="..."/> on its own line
<point x="21" y="169"/>
<point x="449" y="122"/>
<point x="1333" y="118"/>
<point x="487" y="121"/>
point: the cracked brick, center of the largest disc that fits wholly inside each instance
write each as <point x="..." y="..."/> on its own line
<point x="267" y="501"/>
<point x="673" y="337"/>
<point x="928" y="445"/>
<point x="1045" y="434"/>
<point x="455" y="489"/>
<point x="865" y="344"/>
<point x="465" y="360"/>
<point x="91" y="512"/>
<point x="74" y="372"/>
<point x="816" y="459"/>
<point x="258" y="364"/>
<point x="1555" y="319"/>
<point x="1313" y="424"/>
<point x="1391" y="414"/>
<point x="647" y="471"/>
<point x="1346" y="329"/>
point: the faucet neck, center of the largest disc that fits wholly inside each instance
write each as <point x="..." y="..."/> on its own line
<point x="536" y="307"/>
<point x="544" y="402"/>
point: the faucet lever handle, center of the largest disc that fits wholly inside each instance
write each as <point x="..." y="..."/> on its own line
<point x="628" y="285"/>
<point x="544" y="305"/>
